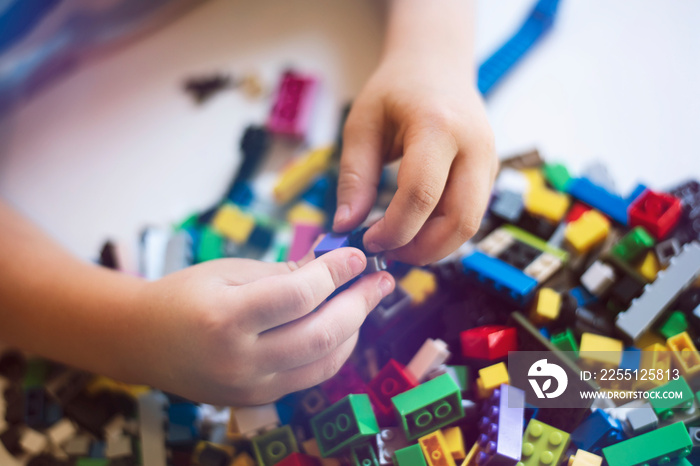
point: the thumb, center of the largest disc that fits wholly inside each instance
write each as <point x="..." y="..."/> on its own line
<point x="360" y="166"/>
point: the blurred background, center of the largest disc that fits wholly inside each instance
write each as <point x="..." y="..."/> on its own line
<point x="98" y="137"/>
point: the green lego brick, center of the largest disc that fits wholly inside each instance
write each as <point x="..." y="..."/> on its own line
<point x="557" y="175"/>
<point x="35" y="375"/>
<point x="429" y="406"/>
<point x="189" y="222"/>
<point x="543" y="444"/>
<point x="657" y="447"/>
<point x="675" y="324"/>
<point x="632" y="245"/>
<point x="535" y="242"/>
<point x="348" y="422"/>
<point x="463" y="376"/>
<point x="409" y="456"/>
<point x="565" y="341"/>
<point x="364" y="455"/>
<point x="664" y="407"/>
<point x="680" y="462"/>
<point x="92" y="462"/>
<point x="272" y="447"/>
<point x="211" y="245"/>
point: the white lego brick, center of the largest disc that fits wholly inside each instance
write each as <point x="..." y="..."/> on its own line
<point x="115" y="427"/>
<point x="428" y="358"/>
<point x="495" y="243"/>
<point x="78" y="445"/>
<point x="118" y="446"/>
<point x="557" y="238"/>
<point x="542" y="268"/>
<point x="178" y="253"/>
<point x="214" y="414"/>
<point x="513" y="180"/>
<point x="61" y="432"/>
<point x="153" y="246"/>
<point x="598" y="278"/>
<point x="253" y="419"/>
<point x="33" y="442"/>
<point x="152" y="418"/>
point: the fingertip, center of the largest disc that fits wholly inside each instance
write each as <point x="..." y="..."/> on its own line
<point x="386" y="284"/>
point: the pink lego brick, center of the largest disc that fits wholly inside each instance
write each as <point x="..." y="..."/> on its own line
<point x="304" y="237"/>
<point x="291" y="112"/>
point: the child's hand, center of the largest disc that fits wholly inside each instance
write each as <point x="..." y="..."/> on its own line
<point x="420" y="104"/>
<point x="239" y="332"/>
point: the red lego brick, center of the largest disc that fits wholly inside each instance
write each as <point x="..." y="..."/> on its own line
<point x="489" y="342"/>
<point x="658" y="213"/>
<point x="291" y="112"/>
<point x="346" y="382"/>
<point x="390" y="381"/>
<point x="299" y="459"/>
<point x="576" y="211"/>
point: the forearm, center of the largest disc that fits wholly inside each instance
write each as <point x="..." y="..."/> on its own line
<point x="58" y="306"/>
<point x="437" y="28"/>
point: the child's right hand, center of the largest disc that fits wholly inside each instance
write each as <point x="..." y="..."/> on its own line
<point x="241" y="332"/>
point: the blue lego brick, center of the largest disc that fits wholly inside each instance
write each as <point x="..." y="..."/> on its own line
<point x="319" y="191"/>
<point x="596" y="432"/>
<point x="582" y="296"/>
<point x="545" y="333"/>
<point x="241" y="194"/>
<point x="506" y="280"/>
<point x="501" y="427"/>
<point x="331" y="242"/>
<point x="600" y="198"/>
<point x="504" y="59"/>
<point x="631" y="357"/>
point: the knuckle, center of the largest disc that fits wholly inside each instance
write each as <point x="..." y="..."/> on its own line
<point x="303" y="294"/>
<point x="465" y="227"/>
<point x="423" y="197"/>
<point x="327" y="340"/>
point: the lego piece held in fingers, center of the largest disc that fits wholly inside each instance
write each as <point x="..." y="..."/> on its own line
<point x="331" y="242"/>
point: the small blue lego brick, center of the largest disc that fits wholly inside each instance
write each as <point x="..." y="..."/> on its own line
<point x="331" y="242"/>
<point x="582" y="296"/>
<point x="501" y="427"/>
<point x="597" y="431"/>
<point x="319" y="191"/>
<point x="599" y="198"/>
<point x="507" y="281"/>
<point x="241" y="194"/>
<point x="631" y="357"/>
<point x="545" y="333"/>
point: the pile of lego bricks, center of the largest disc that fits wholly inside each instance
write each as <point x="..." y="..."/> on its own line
<point x="560" y="264"/>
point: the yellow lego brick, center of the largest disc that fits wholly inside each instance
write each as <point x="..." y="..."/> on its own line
<point x="490" y="378"/>
<point x="648" y="338"/>
<point x="584" y="458"/>
<point x="654" y="357"/>
<point x="455" y="442"/>
<point x="307" y="214"/>
<point x="588" y="231"/>
<point x="233" y="223"/>
<point x="649" y="267"/>
<point x="544" y="202"/>
<point x="100" y="383"/>
<point x="435" y="449"/>
<point x="535" y="177"/>
<point x="685" y="356"/>
<point x="243" y="459"/>
<point x="597" y="350"/>
<point x="419" y="284"/>
<point x="470" y="459"/>
<point x="546" y="306"/>
<point x="299" y="175"/>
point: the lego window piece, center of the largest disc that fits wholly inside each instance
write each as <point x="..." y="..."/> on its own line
<point x="348" y="422"/>
<point x="429" y="406"/>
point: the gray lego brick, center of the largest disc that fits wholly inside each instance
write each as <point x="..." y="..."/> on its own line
<point x="643" y="419"/>
<point x="657" y="296"/>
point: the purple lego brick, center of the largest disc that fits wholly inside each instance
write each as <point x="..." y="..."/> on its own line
<point x="501" y="427"/>
<point x="330" y="242"/>
<point x="304" y="237"/>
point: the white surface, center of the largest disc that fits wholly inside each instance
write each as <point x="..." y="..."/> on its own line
<point x="118" y="145"/>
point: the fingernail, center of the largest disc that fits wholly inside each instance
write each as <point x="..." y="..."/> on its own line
<point x="356" y="265"/>
<point x="342" y="214"/>
<point x="385" y="286"/>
